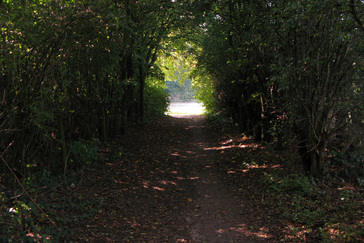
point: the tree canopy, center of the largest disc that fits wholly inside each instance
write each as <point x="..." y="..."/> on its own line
<point x="287" y="67"/>
<point x="75" y="70"/>
<point x="76" y="74"/>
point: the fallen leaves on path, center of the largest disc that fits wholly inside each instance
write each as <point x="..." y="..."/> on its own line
<point x="177" y="180"/>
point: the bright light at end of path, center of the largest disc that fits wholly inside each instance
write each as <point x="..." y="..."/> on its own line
<point x="185" y="108"/>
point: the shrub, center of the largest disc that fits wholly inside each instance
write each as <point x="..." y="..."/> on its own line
<point x="218" y="120"/>
<point x="156" y="101"/>
<point x="351" y="165"/>
<point x="84" y="152"/>
<point x="296" y="184"/>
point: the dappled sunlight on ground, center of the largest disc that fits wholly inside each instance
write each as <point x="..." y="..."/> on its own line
<point x="230" y="143"/>
<point x="166" y="177"/>
<point x="181" y="180"/>
<point x="262" y="233"/>
<point x="233" y="146"/>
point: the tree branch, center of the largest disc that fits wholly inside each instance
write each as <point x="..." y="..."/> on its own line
<point x="355" y="15"/>
<point x="26" y="192"/>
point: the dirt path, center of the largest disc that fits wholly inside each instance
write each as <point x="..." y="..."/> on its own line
<point x="217" y="215"/>
<point x="167" y="186"/>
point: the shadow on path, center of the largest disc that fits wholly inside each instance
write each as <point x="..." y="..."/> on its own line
<point x="216" y="215"/>
<point x="166" y="187"/>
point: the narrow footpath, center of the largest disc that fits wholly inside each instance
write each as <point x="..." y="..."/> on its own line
<point x="217" y="215"/>
<point x="166" y="183"/>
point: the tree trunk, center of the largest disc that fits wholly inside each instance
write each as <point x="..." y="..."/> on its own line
<point x="142" y="77"/>
<point x="104" y="127"/>
<point x="316" y="166"/>
<point x="124" y="115"/>
<point x="63" y="145"/>
<point x="312" y="157"/>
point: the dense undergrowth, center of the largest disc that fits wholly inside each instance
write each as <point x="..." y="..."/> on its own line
<point x="43" y="206"/>
<point x="326" y="210"/>
<point x="52" y="189"/>
<point x="22" y="221"/>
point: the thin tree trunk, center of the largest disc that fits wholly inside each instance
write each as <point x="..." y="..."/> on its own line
<point x="142" y="77"/>
<point x="63" y="145"/>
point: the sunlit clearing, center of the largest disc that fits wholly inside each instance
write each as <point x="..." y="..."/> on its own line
<point x="185" y="108"/>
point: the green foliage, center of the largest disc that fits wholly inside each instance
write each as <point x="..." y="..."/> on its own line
<point x="284" y="66"/>
<point x="18" y="220"/>
<point x="218" y="120"/>
<point x="156" y="101"/>
<point x="315" y="68"/>
<point x="314" y="207"/>
<point x="304" y="212"/>
<point x="73" y="71"/>
<point x="21" y="220"/>
<point x="84" y="153"/>
<point x="351" y="165"/>
<point x="296" y="184"/>
<point x="204" y="92"/>
<point x="71" y="74"/>
<point x="35" y="181"/>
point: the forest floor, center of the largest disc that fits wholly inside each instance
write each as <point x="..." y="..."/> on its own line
<point x="179" y="180"/>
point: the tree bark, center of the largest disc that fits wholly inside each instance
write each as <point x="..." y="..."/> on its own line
<point x="142" y="77"/>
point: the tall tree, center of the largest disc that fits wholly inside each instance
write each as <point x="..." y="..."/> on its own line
<point x="296" y="60"/>
<point x="151" y="21"/>
<point x="72" y="70"/>
<point x="318" y="52"/>
<point x="235" y="55"/>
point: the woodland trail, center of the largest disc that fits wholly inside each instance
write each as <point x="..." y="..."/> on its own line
<point x="217" y="215"/>
<point x="168" y="185"/>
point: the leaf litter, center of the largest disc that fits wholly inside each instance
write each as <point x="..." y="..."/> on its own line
<point x="179" y="180"/>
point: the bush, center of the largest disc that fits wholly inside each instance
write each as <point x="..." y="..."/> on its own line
<point x="84" y="152"/>
<point x="350" y="164"/>
<point x="22" y="221"/>
<point x="316" y="209"/>
<point x="295" y="184"/>
<point x="218" y="120"/>
<point x="156" y="101"/>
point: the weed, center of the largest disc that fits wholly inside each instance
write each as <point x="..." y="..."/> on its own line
<point x="314" y="209"/>
<point x="84" y="152"/>
<point x="22" y="222"/>
<point x="218" y="120"/>
<point x="350" y="164"/>
<point x="296" y="184"/>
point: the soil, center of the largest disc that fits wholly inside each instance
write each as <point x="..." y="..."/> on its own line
<point x="174" y="181"/>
